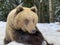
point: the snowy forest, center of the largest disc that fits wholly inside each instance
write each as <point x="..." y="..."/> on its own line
<point x="48" y="10"/>
<point x="48" y="25"/>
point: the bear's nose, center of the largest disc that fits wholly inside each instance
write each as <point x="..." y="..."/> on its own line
<point x="33" y="31"/>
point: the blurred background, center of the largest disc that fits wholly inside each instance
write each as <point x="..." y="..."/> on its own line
<point x="48" y="10"/>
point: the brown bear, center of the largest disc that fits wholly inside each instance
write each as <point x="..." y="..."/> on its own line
<point x="21" y="27"/>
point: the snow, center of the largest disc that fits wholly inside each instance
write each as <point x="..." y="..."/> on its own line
<point x="48" y="30"/>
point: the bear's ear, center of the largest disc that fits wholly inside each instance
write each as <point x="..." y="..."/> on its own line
<point x="19" y="9"/>
<point x="34" y="9"/>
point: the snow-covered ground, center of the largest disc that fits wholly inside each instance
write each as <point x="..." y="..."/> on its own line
<point x="49" y="32"/>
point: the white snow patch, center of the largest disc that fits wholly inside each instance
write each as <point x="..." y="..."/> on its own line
<point x="15" y="43"/>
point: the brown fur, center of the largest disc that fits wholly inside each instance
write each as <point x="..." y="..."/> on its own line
<point x="20" y="23"/>
<point x="18" y="17"/>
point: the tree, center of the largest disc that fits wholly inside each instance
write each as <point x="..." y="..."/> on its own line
<point x="51" y="14"/>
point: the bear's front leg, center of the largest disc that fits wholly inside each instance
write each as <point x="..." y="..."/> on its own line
<point x="6" y="41"/>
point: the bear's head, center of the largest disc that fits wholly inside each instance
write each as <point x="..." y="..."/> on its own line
<point x="25" y="19"/>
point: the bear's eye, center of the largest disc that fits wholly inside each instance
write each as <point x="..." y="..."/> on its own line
<point x="26" y="21"/>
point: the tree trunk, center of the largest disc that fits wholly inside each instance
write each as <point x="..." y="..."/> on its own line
<point x="51" y="14"/>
